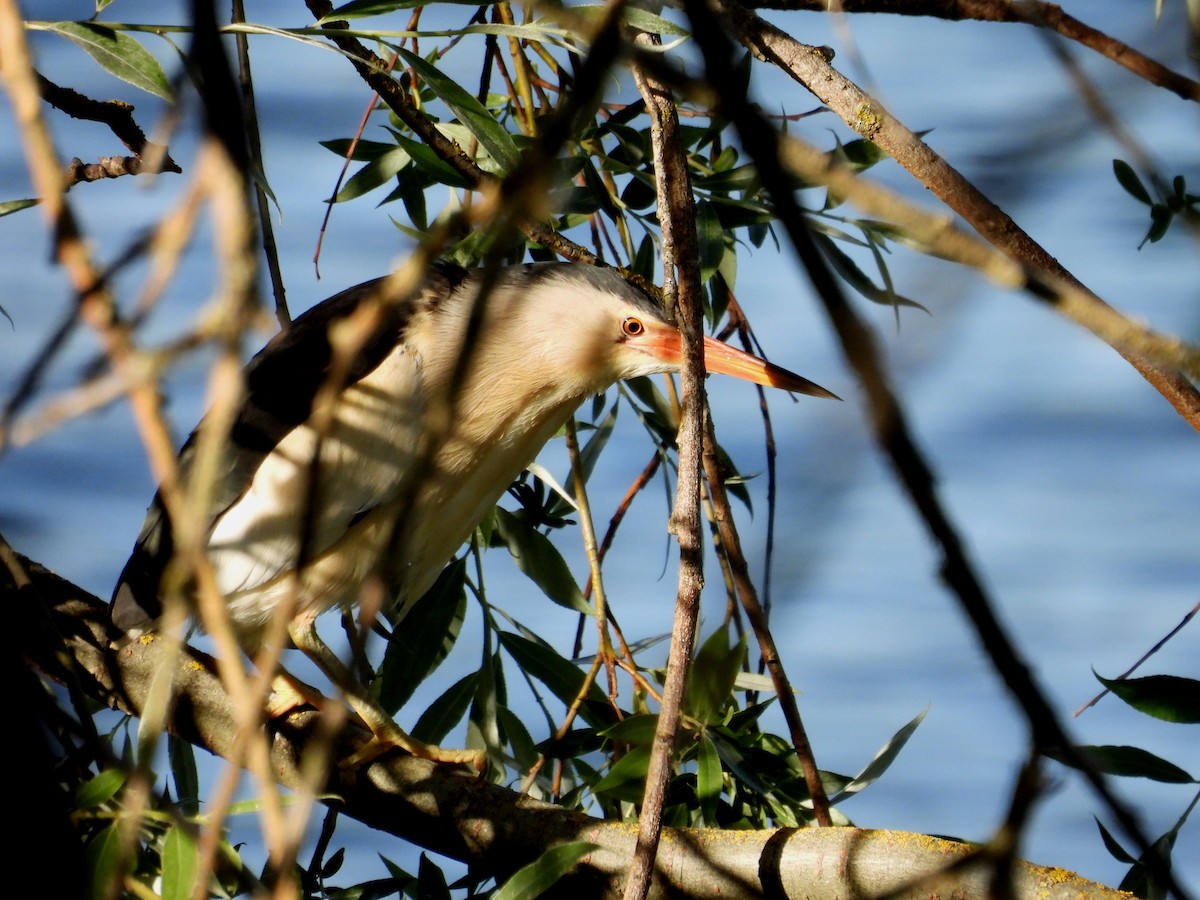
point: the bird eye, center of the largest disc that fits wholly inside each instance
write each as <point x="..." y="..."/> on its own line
<point x="633" y="327"/>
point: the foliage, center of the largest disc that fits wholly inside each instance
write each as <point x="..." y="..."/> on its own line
<point x="142" y="811"/>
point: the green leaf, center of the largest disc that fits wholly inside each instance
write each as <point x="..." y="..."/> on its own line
<point x="532" y="880"/>
<point x="118" y="54"/>
<point x="563" y="678"/>
<point x="490" y="133"/>
<point x="879" y="764"/>
<point x="379" y="170"/>
<point x="637" y="729"/>
<point x="626" y="779"/>
<point x="431" y="881"/>
<point x="1110" y="843"/>
<point x="711" y="678"/>
<point x="99" y="789"/>
<point x="183" y="769"/>
<point x="1130" y="762"/>
<point x="179" y="865"/>
<point x="709" y="779"/>
<point x="102" y="858"/>
<point x="9" y="207"/>
<point x="524" y="749"/>
<point x="1129" y="180"/>
<point x="431" y="164"/>
<point x="857" y="279"/>
<point x="446" y="711"/>
<point x="711" y="237"/>
<point x="538" y="558"/>
<point x="424" y="637"/>
<point x="1167" y="697"/>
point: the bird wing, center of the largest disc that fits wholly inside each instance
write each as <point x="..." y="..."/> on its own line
<point x="281" y="384"/>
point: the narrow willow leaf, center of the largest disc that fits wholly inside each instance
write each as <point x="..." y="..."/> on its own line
<point x="711" y="237"/>
<point x="11" y="206"/>
<point x="382" y="169"/>
<point x="709" y="779"/>
<point x="424" y="637"/>
<point x="713" y="672"/>
<point x="627" y="776"/>
<point x="103" y="859"/>
<point x="532" y="880"/>
<point x="179" y="865"/>
<point x="637" y="729"/>
<point x="446" y="711"/>
<point x="183" y="770"/>
<point x="99" y="789"/>
<point x="1110" y="843"/>
<point x="118" y="54"/>
<point x="1130" y="762"/>
<point x="563" y="678"/>
<point x="1168" y="697"/>
<point x="490" y="133"/>
<point x="538" y="558"/>
<point x="879" y="764"/>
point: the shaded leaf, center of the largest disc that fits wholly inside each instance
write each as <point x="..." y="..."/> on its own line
<point x="423" y="638"/>
<point x="709" y="779"/>
<point x="625" y="779"/>
<point x="1129" y="180"/>
<point x="1130" y="762"/>
<point x="431" y="881"/>
<point x="532" y="880"/>
<point x="538" y="558"/>
<point x="711" y="678"/>
<point x="446" y="711"/>
<point x="182" y="759"/>
<point x="564" y="679"/>
<point x="879" y="764"/>
<point x="1168" y="697"/>
<point x="638" y="729"/>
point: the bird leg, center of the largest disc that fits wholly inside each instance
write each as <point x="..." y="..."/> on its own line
<point x="385" y="733"/>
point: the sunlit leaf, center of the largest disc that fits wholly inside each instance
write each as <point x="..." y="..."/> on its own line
<point x="118" y="54"/>
<point x="490" y="133"/>
<point x="378" y="171"/>
<point x="11" y="206"/>
<point x="102" y="858"/>
<point x="99" y="789"/>
<point x="638" y="729"/>
<point x="531" y="880"/>
<point x="179" y="865"/>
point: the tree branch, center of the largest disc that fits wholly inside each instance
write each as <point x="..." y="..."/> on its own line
<point x="66" y="635"/>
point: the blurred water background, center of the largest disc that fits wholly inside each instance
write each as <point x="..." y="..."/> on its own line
<point x="1076" y="487"/>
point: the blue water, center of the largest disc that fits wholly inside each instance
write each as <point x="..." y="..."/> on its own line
<point x="1075" y="486"/>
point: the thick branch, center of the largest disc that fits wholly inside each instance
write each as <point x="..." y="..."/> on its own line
<point x="66" y="635"/>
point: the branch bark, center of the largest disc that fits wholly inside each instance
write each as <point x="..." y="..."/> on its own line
<point x="66" y="636"/>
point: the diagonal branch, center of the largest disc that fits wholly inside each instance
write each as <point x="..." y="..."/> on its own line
<point x="497" y="830"/>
